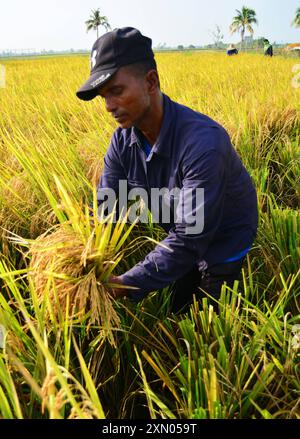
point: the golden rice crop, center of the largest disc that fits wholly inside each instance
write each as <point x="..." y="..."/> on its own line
<point x="51" y="151"/>
<point x="46" y="130"/>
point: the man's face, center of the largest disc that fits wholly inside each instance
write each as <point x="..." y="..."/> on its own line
<point x="127" y="97"/>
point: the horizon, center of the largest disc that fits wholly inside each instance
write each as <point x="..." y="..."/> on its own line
<point x="157" y="20"/>
<point x="159" y="47"/>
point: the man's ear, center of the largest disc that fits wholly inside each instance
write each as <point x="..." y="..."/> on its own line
<point x="152" y="81"/>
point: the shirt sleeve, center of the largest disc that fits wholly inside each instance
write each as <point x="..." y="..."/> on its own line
<point x="113" y="172"/>
<point x="184" y="246"/>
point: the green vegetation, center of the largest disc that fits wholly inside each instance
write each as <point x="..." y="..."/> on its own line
<point x="67" y="349"/>
<point x="96" y="20"/>
<point x="296" y="21"/>
<point x="243" y="21"/>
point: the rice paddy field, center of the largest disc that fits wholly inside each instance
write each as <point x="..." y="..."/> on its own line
<point x="67" y="349"/>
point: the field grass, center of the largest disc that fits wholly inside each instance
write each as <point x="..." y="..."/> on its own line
<point x="65" y="353"/>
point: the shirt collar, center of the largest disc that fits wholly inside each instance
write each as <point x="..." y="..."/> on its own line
<point x="163" y="144"/>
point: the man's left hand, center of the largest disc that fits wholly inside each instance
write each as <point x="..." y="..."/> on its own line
<point x="117" y="291"/>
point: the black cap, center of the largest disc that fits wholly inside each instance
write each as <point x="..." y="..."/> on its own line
<point x="111" y="51"/>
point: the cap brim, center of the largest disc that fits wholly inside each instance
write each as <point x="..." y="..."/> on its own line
<point x="89" y="89"/>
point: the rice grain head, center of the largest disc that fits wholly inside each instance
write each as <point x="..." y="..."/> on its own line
<point x="72" y="277"/>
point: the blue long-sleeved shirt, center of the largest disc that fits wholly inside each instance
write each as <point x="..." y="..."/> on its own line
<point x="192" y="151"/>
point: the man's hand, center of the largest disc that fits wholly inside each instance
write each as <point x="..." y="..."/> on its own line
<point x="117" y="290"/>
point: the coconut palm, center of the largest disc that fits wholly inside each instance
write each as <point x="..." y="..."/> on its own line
<point x="243" y="21"/>
<point x="296" y="21"/>
<point x="96" y="20"/>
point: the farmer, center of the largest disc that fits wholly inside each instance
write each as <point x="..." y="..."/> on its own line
<point x="232" y="50"/>
<point x="268" y="48"/>
<point x="162" y="144"/>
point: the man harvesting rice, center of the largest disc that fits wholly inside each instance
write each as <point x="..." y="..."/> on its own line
<point x="161" y="145"/>
<point x="268" y="48"/>
<point x="232" y="50"/>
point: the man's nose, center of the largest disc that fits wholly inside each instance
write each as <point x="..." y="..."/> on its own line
<point x="110" y="104"/>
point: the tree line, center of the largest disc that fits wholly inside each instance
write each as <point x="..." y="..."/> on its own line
<point x="242" y="22"/>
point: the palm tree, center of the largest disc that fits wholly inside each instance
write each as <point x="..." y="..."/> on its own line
<point x="96" y="20"/>
<point x="296" y="21"/>
<point x="242" y="22"/>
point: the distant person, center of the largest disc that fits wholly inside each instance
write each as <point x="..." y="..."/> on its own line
<point x="232" y="50"/>
<point x="268" y="48"/>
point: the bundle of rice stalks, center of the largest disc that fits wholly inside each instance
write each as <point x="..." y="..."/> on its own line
<point x="70" y="266"/>
<point x="73" y="275"/>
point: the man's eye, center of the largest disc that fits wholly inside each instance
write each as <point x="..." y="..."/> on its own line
<point x="117" y="91"/>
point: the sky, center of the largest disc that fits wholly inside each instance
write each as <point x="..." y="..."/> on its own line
<point x="60" y="24"/>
